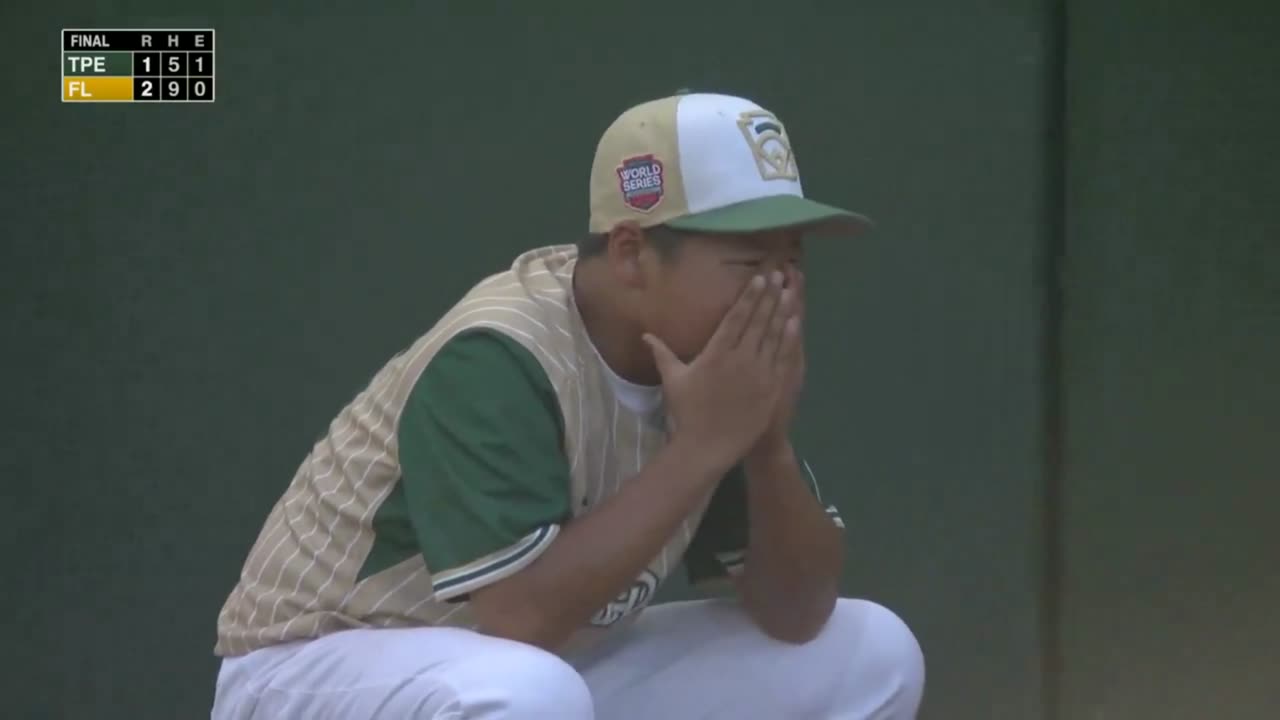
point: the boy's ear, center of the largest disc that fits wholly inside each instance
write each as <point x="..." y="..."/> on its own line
<point x="625" y="248"/>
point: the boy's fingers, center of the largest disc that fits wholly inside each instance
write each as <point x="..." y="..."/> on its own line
<point x="798" y="280"/>
<point x="773" y="340"/>
<point x="730" y="330"/>
<point x="753" y="338"/>
<point x="662" y="355"/>
<point x="790" y="347"/>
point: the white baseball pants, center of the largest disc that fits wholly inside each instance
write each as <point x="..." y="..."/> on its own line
<point x="684" y="661"/>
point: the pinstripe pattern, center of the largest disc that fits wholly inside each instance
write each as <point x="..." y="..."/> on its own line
<point x="300" y="578"/>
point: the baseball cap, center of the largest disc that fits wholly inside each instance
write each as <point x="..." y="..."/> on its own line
<point x="705" y="162"/>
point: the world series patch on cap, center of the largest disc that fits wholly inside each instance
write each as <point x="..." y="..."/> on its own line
<point x="708" y="163"/>
<point x="640" y="181"/>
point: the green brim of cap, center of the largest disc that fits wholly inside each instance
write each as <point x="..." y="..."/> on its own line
<point x="777" y="212"/>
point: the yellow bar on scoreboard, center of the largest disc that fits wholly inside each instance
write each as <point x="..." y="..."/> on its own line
<point x="97" y="89"/>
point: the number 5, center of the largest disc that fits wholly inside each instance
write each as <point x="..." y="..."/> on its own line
<point x="174" y="64"/>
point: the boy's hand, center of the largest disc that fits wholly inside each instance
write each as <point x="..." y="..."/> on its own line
<point x="724" y="400"/>
<point x="776" y="437"/>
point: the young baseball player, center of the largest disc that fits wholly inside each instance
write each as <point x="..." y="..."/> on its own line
<point x="480" y="532"/>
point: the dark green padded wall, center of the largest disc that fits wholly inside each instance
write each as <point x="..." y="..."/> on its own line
<point x="1172" y="367"/>
<point x="190" y="293"/>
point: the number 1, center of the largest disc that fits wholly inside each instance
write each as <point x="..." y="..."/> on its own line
<point x="200" y="63"/>
<point x="146" y="64"/>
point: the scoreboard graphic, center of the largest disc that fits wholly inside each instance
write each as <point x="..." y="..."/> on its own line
<point x="158" y="66"/>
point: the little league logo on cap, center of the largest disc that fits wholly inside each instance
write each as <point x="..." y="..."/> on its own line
<point x="704" y="162"/>
<point x="640" y="179"/>
<point x="769" y="143"/>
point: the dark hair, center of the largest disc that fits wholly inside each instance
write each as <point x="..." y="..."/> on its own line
<point x="663" y="239"/>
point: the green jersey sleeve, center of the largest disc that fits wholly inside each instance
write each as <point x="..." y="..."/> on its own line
<point x="719" y="547"/>
<point x="484" y="479"/>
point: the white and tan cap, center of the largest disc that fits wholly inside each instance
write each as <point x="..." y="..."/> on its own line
<point x="706" y="163"/>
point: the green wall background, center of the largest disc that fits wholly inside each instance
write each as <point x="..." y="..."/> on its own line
<point x="190" y="293"/>
<point x="1171" y="382"/>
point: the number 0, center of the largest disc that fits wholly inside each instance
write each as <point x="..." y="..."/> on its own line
<point x="198" y="88"/>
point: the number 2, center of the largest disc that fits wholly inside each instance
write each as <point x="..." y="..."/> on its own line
<point x="146" y="88"/>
